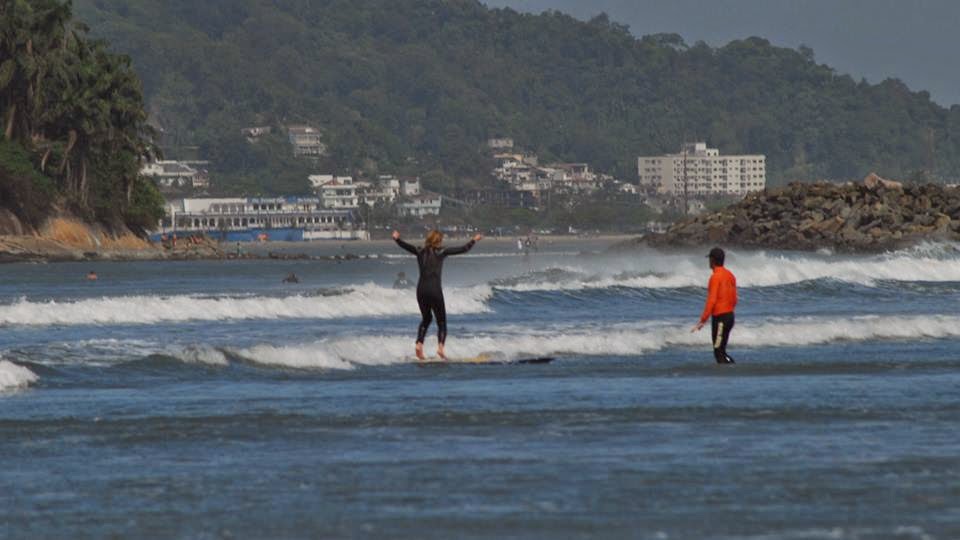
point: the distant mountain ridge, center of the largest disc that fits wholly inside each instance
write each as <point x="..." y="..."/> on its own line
<point x="417" y="86"/>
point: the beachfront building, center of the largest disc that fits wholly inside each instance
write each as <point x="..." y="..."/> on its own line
<point x="343" y="192"/>
<point x="387" y="189"/>
<point x="337" y="192"/>
<point x="258" y="219"/>
<point x="425" y="204"/>
<point x="703" y="171"/>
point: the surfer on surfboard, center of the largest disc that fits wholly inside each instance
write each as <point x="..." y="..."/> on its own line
<point x="721" y="300"/>
<point x="429" y="289"/>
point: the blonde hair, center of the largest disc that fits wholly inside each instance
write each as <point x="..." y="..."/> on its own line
<point x="434" y="238"/>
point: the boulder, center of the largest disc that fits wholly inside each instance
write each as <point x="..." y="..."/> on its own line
<point x="873" y="215"/>
<point x="873" y="181"/>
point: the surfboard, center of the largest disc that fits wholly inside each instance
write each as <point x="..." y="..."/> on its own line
<point x="483" y="360"/>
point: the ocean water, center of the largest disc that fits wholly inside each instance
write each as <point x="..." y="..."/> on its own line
<point x="207" y="399"/>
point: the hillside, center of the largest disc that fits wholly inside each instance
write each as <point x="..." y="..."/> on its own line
<point x="417" y="86"/>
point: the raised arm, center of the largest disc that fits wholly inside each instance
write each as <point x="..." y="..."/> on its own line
<point x="404" y="245"/>
<point x="462" y="249"/>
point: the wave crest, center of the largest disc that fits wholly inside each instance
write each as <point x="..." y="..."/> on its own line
<point x="933" y="262"/>
<point x="624" y="340"/>
<point x="13" y="376"/>
<point x="366" y="300"/>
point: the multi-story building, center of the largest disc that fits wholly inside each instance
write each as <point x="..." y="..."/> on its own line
<point x="178" y="174"/>
<point x="425" y="204"/>
<point x="338" y="192"/>
<point x="574" y="177"/>
<point x="306" y="141"/>
<point x="410" y="186"/>
<point x="345" y="192"/>
<point x="258" y="219"/>
<point x="702" y="171"/>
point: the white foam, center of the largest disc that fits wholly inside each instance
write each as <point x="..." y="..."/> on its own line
<point x="202" y="354"/>
<point x="648" y="269"/>
<point x="366" y="300"/>
<point x="13" y="376"/>
<point x="622" y="340"/>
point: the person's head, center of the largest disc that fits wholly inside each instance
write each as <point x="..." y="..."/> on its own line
<point x="434" y="239"/>
<point x="716" y="257"/>
<point x="401" y="275"/>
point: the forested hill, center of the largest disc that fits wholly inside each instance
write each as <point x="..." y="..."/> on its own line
<point x="419" y="85"/>
<point x="74" y="128"/>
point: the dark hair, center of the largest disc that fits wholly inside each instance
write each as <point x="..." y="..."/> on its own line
<point x="717" y="256"/>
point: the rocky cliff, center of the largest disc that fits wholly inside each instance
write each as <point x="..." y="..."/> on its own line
<point x="873" y="215"/>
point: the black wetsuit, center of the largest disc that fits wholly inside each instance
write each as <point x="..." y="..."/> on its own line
<point x="429" y="289"/>
<point x="720" y="326"/>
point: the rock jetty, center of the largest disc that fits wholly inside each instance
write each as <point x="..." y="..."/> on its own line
<point x="873" y="215"/>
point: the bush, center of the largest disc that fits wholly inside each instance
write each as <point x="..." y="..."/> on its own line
<point x="146" y="206"/>
<point x="23" y="190"/>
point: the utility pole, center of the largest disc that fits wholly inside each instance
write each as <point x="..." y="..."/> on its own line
<point x="686" y="200"/>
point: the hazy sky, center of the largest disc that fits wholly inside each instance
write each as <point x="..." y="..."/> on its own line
<point x="917" y="41"/>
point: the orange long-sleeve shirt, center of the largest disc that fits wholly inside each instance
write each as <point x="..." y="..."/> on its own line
<point x="721" y="293"/>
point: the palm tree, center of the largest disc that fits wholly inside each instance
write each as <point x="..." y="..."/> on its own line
<point x="68" y="99"/>
<point x="32" y="35"/>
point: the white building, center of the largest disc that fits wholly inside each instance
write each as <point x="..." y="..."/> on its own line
<point x="306" y="141"/>
<point x="387" y="189"/>
<point x="336" y="192"/>
<point x="255" y="132"/>
<point x="343" y="192"/>
<point x="704" y="171"/>
<point x="574" y="177"/>
<point x="427" y="204"/>
<point x="504" y="143"/>
<point x="258" y="219"/>
<point x="410" y="187"/>
<point x="177" y="174"/>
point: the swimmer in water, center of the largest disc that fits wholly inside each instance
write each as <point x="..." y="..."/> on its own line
<point x="401" y="281"/>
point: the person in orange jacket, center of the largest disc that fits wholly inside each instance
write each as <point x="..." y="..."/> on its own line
<point x="721" y="301"/>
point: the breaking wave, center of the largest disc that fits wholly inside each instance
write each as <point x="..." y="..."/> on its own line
<point x="624" y="340"/>
<point x="13" y="376"/>
<point x="366" y="300"/>
<point x="652" y="270"/>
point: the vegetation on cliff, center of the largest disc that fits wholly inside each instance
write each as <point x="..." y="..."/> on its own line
<point x="74" y="128"/>
<point x="417" y="86"/>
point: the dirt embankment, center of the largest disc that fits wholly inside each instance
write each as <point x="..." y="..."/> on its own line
<point x="66" y="238"/>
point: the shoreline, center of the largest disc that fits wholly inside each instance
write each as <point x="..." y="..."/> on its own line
<point x="38" y="250"/>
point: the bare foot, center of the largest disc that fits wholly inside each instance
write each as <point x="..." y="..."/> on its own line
<point x="440" y="352"/>
<point x="420" y="352"/>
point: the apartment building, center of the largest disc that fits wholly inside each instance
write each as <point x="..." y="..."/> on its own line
<point x="703" y="172"/>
